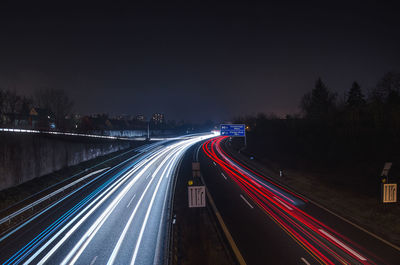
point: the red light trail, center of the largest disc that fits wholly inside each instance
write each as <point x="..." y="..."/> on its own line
<point x="325" y="244"/>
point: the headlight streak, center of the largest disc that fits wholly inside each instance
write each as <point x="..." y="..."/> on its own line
<point x="168" y="167"/>
<point x="99" y="221"/>
<point x="299" y="225"/>
<point x="28" y="248"/>
<point x="108" y="185"/>
<point x="69" y="195"/>
<point x="123" y="234"/>
<point x="102" y="197"/>
<point x="60" y="231"/>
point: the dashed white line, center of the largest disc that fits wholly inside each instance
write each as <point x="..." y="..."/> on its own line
<point x="284" y="204"/>
<point x="133" y="197"/>
<point x="337" y="241"/>
<point x="222" y="174"/>
<point x="214" y="163"/>
<point x="305" y="261"/>
<point x="93" y="260"/>
<point x="246" y="201"/>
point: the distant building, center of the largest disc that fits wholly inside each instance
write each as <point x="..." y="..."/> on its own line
<point x="125" y="117"/>
<point x="41" y="119"/>
<point x="158" y="118"/>
<point x="140" y="117"/>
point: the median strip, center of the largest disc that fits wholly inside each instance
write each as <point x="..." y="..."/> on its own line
<point x="228" y="235"/>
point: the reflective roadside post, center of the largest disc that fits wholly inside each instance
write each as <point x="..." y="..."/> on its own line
<point x="196" y="190"/>
<point x="388" y="190"/>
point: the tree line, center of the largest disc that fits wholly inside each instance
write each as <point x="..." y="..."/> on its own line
<point x="358" y="131"/>
<point x="55" y="101"/>
<point x="380" y="109"/>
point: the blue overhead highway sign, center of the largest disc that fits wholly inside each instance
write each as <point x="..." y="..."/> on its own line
<point x="233" y="130"/>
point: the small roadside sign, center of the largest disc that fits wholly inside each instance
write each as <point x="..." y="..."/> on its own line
<point x="386" y="169"/>
<point x="195" y="166"/>
<point x="389" y="193"/>
<point x="197" y="196"/>
<point x="196" y="173"/>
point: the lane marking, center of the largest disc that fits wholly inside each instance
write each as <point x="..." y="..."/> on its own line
<point x="88" y="236"/>
<point x="48" y="196"/>
<point x="168" y="167"/>
<point x="93" y="260"/>
<point x="128" y="223"/>
<point x="228" y="235"/>
<point x="284" y="204"/>
<point x="222" y="174"/>
<point x="177" y="150"/>
<point x="75" y="191"/>
<point x="246" y="201"/>
<point x="214" y="163"/>
<point x="157" y="251"/>
<point x="396" y="247"/>
<point x="133" y="197"/>
<point x="337" y="241"/>
<point x="90" y="208"/>
<point x="148" y="175"/>
<point x="355" y="225"/>
<point x="305" y="261"/>
<point x="173" y="157"/>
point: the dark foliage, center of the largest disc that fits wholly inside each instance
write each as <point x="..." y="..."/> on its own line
<point x="355" y="98"/>
<point x="319" y="103"/>
<point x="350" y="142"/>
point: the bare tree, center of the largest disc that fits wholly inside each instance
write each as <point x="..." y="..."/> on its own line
<point x="11" y="101"/>
<point x="56" y="101"/>
<point x="387" y="89"/>
<point x="2" y="101"/>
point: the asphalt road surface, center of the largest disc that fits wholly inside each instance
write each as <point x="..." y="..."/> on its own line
<point x="270" y="224"/>
<point x="120" y="218"/>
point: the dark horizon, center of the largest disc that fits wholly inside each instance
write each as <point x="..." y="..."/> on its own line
<point x="196" y="61"/>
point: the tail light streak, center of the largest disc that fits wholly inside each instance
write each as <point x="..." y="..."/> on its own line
<point x="325" y="244"/>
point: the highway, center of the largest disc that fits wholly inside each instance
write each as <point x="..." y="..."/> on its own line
<point x="120" y="218"/>
<point x="271" y="224"/>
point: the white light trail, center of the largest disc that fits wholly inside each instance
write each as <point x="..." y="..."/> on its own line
<point x="101" y="198"/>
<point x="169" y="157"/>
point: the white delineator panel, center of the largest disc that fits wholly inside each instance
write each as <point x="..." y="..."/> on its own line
<point x="197" y="196"/>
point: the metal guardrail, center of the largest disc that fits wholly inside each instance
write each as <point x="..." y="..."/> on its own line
<point x="92" y="135"/>
<point x="140" y="149"/>
<point x="33" y="204"/>
<point x="70" y="134"/>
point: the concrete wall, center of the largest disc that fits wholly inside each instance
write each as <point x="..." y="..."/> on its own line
<point x="27" y="156"/>
<point x="135" y="133"/>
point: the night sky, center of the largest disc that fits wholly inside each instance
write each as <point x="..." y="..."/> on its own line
<point x="196" y="60"/>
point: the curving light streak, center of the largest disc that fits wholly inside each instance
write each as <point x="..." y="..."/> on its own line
<point x="167" y="171"/>
<point x="42" y="237"/>
<point x="325" y="244"/>
<point x="109" y="195"/>
<point x="96" y="203"/>
<point x="123" y="234"/>
<point x="88" y="236"/>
